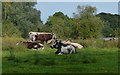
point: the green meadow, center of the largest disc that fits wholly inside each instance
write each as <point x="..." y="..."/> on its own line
<point x="93" y="58"/>
<point x="85" y="26"/>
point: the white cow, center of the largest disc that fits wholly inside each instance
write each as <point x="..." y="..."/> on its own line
<point x="74" y="44"/>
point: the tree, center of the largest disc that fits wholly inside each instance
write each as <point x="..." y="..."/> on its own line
<point x="85" y="11"/>
<point x="23" y="15"/>
<point x="88" y="25"/>
<point x="71" y="28"/>
<point x="90" y="28"/>
<point x="10" y="30"/>
<point x="58" y="15"/>
<point x="61" y="15"/>
<point x="6" y="9"/>
<point x="57" y="25"/>
<point x="112" y="24"/>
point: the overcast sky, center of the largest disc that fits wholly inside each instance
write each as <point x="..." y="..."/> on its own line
<point x="49" y="8"/>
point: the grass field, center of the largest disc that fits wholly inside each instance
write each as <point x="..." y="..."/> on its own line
<point x="87" y="60"/>
<point x="97" y="57"/>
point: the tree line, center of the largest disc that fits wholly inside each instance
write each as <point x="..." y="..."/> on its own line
<point x="112" y="24"/>
<point x="19" y="18"/>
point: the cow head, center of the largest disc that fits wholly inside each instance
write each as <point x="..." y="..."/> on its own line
<point x="56" y="44"/>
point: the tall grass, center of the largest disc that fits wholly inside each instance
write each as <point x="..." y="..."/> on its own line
<point x="8" y="43"/>
<point x="97" y="43"/>
<point x="98" y="53"/>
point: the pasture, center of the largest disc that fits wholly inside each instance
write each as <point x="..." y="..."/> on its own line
<point x="91" y="59"/>
<point x="24" y="29"/>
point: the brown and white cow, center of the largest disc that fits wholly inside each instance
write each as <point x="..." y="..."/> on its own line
<point x="32" y="35"/>
<point x="32" y="45"/>
<point x="43" y="37"/>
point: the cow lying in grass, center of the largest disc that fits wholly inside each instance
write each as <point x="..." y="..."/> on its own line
<point x="63" y="48"/>
<point x="32" y="45"/>
<point x="76" y="45"/>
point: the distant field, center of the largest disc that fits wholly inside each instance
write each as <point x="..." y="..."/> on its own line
<point x="86" y="60"/>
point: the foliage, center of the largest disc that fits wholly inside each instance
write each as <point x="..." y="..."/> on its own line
<point x="84" y="24"/>
<point x="85" y="11"/>
<point x="23" y="16"/>
<point x="56" y="24"/>
<point x="90" y="28"/>
<point x="60" y="15"/>
<point x="107" y="31"/>
<point x="9" y="30"/>
<point x="71" y="28"/>
<point x="112" y="24"/>
<point x="88" y="25"/>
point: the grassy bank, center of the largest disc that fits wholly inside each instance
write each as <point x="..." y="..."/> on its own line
<point x="91" y="59"/>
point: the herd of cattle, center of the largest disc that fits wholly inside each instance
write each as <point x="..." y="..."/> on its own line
<point x="63" y="47"/>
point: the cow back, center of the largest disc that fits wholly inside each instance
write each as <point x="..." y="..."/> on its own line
<point x="43" y="37"/>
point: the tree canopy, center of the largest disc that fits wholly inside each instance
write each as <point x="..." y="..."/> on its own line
<point x="83" y="25"/>
<point x="19" y="18"/>
<point x="22" y="15"/>
<point x="112" y="25"/>
<point x="88" y="25"/>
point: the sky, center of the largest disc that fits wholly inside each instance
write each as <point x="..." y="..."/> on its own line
<point x="68" y="8"/>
